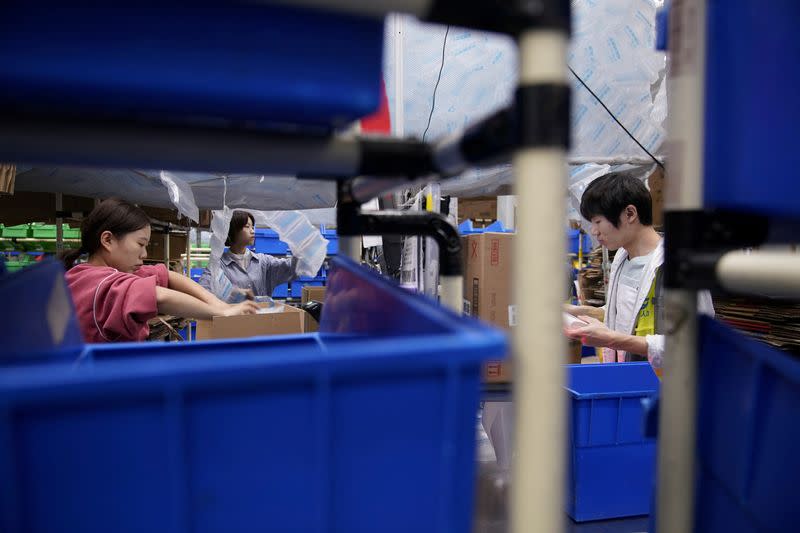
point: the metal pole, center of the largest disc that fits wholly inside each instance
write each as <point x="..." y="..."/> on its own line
<point x="166" y="247"/>
<point x="188" y="264"/>
<point x="683" y="191"/>
<point x="59" y="223"/>
<point x="540" y="409"/>
<point x="771" y="273"/>
<point x="351" y="247"/>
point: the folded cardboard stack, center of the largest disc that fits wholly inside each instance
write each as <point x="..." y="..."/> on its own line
<point x="775" y="322"/>
<point x="590" y="279"/>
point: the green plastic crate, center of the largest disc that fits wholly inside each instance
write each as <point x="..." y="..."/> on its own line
<point x="48" y="231"/>
<point x="21" y="231"/>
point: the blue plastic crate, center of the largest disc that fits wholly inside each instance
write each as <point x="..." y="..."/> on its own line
<point x="261" y="64"/>
<point x="611" y="461"/>
<point x="367" y="426"/>
<point x="574" y="237"/>
<point x="196" y="273"/>
<point x="41" y="320"/>
<point x="333" y="241"/>
<point x="268" y="242"/>
<point x="752" y="108"/>
<point x="281" y="291"/>
<point x="748" y="434"/>
<point x="297" y="286"/>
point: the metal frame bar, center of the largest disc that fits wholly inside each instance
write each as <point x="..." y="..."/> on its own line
<point x="539" y="408"/>
<point x="683" y="191"/>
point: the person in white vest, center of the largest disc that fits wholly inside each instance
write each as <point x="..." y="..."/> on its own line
<point x="619" y="208"/>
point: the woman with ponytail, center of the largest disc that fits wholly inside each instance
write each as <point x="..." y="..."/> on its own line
<point x="115" y="294"/>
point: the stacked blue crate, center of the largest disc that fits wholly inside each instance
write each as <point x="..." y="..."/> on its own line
<point x="180" y="436"/>
<point x="611" y="461"/>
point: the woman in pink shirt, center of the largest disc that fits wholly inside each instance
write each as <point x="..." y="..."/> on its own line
<point x="115" y="294"/>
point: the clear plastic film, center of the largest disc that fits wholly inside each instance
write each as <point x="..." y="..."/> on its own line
<point x="181" y="195"/>
<point x="612" y="49"/>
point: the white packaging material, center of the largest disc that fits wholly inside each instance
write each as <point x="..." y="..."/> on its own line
<point x="181" y="195"/>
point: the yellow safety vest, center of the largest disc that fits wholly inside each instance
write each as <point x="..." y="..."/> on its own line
<point x="646" y="319"/>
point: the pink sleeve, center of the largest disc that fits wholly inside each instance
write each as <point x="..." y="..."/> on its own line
<point x="159" y="271"/>
<point x="123" y="305"/>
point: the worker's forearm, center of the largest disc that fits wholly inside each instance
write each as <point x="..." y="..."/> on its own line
<point x="598" y="313"/>
<point x="181" y="283"/>
<point x="178" y="303"/>
<point x="629" y="343"/>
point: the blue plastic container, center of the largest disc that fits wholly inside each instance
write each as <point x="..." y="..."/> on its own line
<point x="268" y="242"/>
<point x="752" y="107"/>
<point x="39" y="320"/>
<point x="262" y="64"/>
<point x="333" y="241"/>
<point x="748" y="434"/>
<point x="611" y="462"/>
<point x="196" y="273"/>
<point x="574" y="237"/>
<point x="369" y="426"/>
<point x="297" y="286"/>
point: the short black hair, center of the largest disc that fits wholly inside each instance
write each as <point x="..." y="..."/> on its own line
<point x="609" y="195"/>
<point x="238" y="221"/>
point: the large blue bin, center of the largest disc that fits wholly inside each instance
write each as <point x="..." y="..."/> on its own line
<point x="748" y="434"/>
<point x="369" y="426"/>
<point x="39" y="320"/>
<point x="752" y="106"/>
<point x="262" y="64"/>
<point x="611" y="462"/>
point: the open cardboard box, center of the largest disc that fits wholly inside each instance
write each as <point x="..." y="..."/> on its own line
<point x="316" y="294"/>
<point x="289" y="320"/>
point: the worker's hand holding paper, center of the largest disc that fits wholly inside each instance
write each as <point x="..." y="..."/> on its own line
<point x="588" y="330"/>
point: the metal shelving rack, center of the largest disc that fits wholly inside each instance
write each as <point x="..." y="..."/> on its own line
<point x="534" y="132"/>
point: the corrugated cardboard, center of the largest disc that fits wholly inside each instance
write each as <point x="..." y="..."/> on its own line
<point x="289" y="320"/>
<point x="8" y="174"/>
<point x="487" y="278"/>
<point x="487" y="289"/>
<point x="315" y="294"/>
<point x="481" y="210"/>
<point x="488" y="292"/>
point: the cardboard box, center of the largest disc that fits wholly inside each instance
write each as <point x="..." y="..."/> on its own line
<point x="289" y="320"/>
<point x="488" y="293"/>
<point x="487" y="289"/>
<point x="315" y="294"/>
<point x="481" y="210"/>
<point x="487" y="278"/>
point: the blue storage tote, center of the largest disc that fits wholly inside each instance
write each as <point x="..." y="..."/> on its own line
<point x="268" y="242"/>
<point x="267" y="65"/>
<point x="196" y="273"/>
<point x="369" y="426"/>
<point x="297" y="286"/>
<point x="40" y="321"/>
<point x="333" y="241"/>
<point x="752" y="106"/>
<point x="611" y="462"/>
<point x="574" y="237"/>
<point x="748" y="434"/>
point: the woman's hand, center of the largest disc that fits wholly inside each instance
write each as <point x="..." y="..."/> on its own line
<point x="594" y="333"/>
<point x="245" y="308"/>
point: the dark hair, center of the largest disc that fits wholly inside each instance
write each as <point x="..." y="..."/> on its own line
<point x="114" y="215"/>
<point x="609" y="195"/>
<point x="238" y="221"/>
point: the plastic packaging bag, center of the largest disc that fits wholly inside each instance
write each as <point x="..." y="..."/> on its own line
<point x="181" y="195"/>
